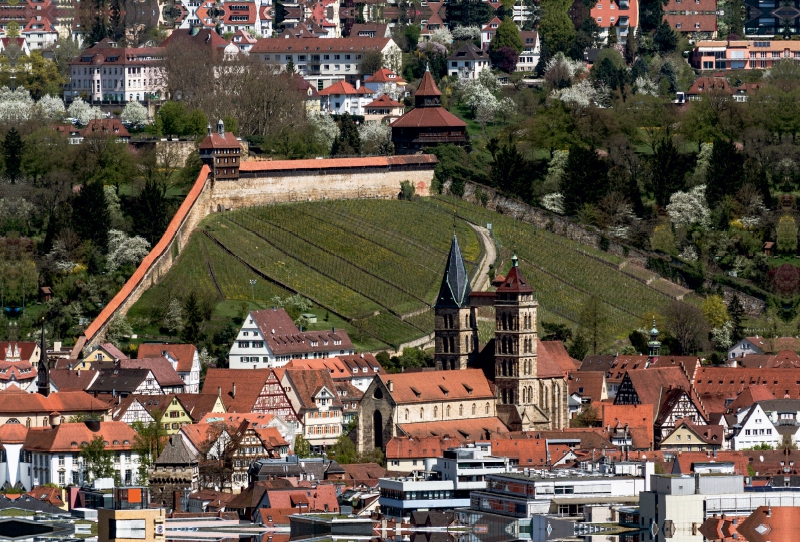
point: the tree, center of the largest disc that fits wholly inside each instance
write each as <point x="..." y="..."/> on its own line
<point x="349" y="140"/>
<point x="343" y="451"/>
<point x="150" y="440"/>
<point x="124" y="250"/>
<point x="13" y="148"/>
<point x="507" y="35"/>
<point x="686" y="324"/>
<point x="302" y="448"/>
<point x="579" y="348"/>
<point x="90" y="216"/>
<point x="663" y="240"/>
<point x="736" y="314"/>
<point x="585" y="179"/>
<point x="556" y="332"/>
<point x="151" y="211"/>
<point x="118" y="330"/>
<point x="666" y="168"/>
<point x="98" y="462"/>
<point x="786" y="240"/>
<point x="724" y="176"/>
<point x="174" y="117"/>
<point x="83" y="111"/>
<point x="589" y="417"/>
<point x="193" y="319"/>
<point x="505" y="59"/>
<point x="371" y="62"/>
<point x="594" y="322"/>
<point x="173" y="320"/>
<point x="665" y="38"/>
<point x="135" y="113"/>
<point x="556" y="29"/>
<point x="715" y="311"/>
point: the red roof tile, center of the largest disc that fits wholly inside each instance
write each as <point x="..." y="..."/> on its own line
<point x="384" y="101"/>
<point x="385" y="75"/>
<point x="68" y="437"/>
<point x="467" y="384"/>
<point x="428" y="117"/>
<point x="248" y="384"/>
<point x="461" y="430"/>
<point x="334" y="163"/>
<point x="183" y="353"/>
<point x="344" y="88"/>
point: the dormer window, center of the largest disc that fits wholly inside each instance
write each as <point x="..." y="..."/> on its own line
<point x="416" y="392"/>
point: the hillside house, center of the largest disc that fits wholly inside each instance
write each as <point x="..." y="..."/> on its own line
<point x="467" y="62"/>
<point x="184" y="358"/>
<point x="342" y="97"/>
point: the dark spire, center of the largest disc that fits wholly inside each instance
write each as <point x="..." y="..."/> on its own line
<point x="455" y="289"/>
<point x="43" y="374"/>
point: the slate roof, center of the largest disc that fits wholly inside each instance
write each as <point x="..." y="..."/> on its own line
<point x="468" y="51"/>
<point x="455" y="289"/>
<point x="29" y="503"/>
<point x="162" y="369"/>
<point x="176" y="453"/>
<point x="293" y="467"/>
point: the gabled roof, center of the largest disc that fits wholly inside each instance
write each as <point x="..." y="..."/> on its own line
<point x="182" y="353"/>
<point x="750" y="396"/>
<point x="363" y="471"/>
<point x="106" y="126"/>
<point x="515" y="281"/>
<point x="770" y="524"/>
<point x="488" y="27"/>
<point x="15" y="401"/>
<point x="247" y="382"/>
<point x="198" y="404"/>
<point x="685" y="461"/>
<point x="588" y="385"/>
<point x="438" y="386"/>
<point x="385" y="75"/>
<point x="283" y="337"/>
<point x="25" y="349"/>
<point x="176" y="453"/>
<point x="343" y="88"/>
<point x="161" y="368"/>
<point x="307" y="383"/>
<point x="429" y="117"/>
<point x="718" y="384"/>
<point x="118" y="380"/>
<point x="468" y="51"/>
<point x="13" y="433"/>
<point x="217" y="141"/>
<point x="455" y="288"/>
<point x="71" y="380"/>
<point x="653" y="386"/>
<point x="383" y="101"/>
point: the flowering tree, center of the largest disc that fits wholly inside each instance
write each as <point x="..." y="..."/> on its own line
<point x="466" y="33"/>
<point x="84" y="112"/>
<point x="554" y="202"/>
<point x="561" y="61"/>
<point x="325" y="130"/>
<point x="390" y="89"/>
<point x="582" y="94"/>
<point x="124" y="250"/>
<point x="15" y="105"/>
<point x="50" y="107"/>
<point x="442" y="36"/>
<point x="687" y="208"/>
<point x="135" y="113"/>
<point x="376" y="138"/>
<point x="645" y="85"/>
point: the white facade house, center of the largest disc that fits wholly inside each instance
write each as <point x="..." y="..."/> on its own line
<point x="184" y="358"/>
<point x="322" y="62"/>
<point x="488" y="32"/>
<point x="747" y="346"/>
<point x="756" y="428"/>
<point x="342" y="97"/>
<point x="269" y="338"/>
<point x="531" y="51"/>
<point x="468" y="62"/>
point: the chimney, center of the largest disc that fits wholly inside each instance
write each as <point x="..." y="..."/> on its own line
<point x="390" y="385"/>
<point x="176" y="507"/>
<point x="233" y="391"/>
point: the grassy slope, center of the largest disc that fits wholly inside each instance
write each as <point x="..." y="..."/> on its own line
<point x="377" y="261"/>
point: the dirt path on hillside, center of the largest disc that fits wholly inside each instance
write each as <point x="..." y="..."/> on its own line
<point x="480" y="282"/>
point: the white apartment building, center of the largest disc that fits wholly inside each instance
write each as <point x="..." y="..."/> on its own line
<point x="110" y="73"/>
<point x="342" y="97"/>
<point x="468" y="62"/>
<point x="445" y="484"/>
<point x="532" y="50"/>
<point x="269" y="338"/>
<point x="322" y="62"/>
<point x="767" y="422"/>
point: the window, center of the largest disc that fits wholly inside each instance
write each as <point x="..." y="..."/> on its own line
<point x="126" y="528"/>
<point x="599" y="19"/>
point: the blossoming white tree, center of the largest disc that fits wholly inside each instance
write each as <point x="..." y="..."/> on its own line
<point x="15" y="105"/>
<point x="135" y="113"/>
<point x="325" y="130"/>
<point x="83" y="111"/>
<point x="50" y="107"/>
<point x="464" y="33"/>
<point x="124" y="250"/>
<point x="376" y="137"/>
<point x="687" y="208"/>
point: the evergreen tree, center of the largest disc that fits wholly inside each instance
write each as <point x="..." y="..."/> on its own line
<point x="736" y="315"/>
<point x="665" y="39"/>
<point x="348" y="141"/>
<point x="507" y="35"/>
<point x="585" y="179"/>
<point x="725" y="172"/>
<point x="13" y="147"/>
<point x="579" y="348"/>
<point x="151" y="211"/>
<point x="91" y="218"/>
<point x="301" y="447"/>
<point x="192" y="319"/>
<point x="593" y="322"/>
<point x="666" y="167"/>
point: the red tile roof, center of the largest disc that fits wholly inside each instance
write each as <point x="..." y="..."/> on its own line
<point x="50" y="495"/>
<point x="307" y="383"/>
<point x="197" y="404"/>
<point x="652" y="385"/>
<point x="587" y="384"/>
<point x="344" y="88"/>
<point x="216" y="141"/>
<point x="17" y="371"/>
<point x="363" y="471"/>
<point x="161" y="368"/>
<point x="321" y="498"/>
<point x="283" y="337"/>
<point x="71" y="380"/>
<point x="335" y="163"/>
<point x="750" y="396"/>
<point x="68" y="437"/>
<point x="183" y="353"/>
<point x="413" y="387"/>
<point x="106" y="126"/>
<point x="341" y="367"/>
<point x="300" y="45"/>
<point x="770" y="524"/>
<point x="15" y="401"/>
<point x="427" y="86"/>
<point x="428" y="117"/>
<point x="461" y="430"/>
<point x="688" y="23"/>
<point x="405" y="447"/>
<point x="717" y="384"/>
<point x="709" y="83"/>
<point x="384" y="101"/>
<point x="13" y="433"/>
<point x="248" y="383"/>
<point x="685" y="461"/>
<point x="768" y="345"/>
<point x="385" y="75"/>
<point x="25" y="349"/>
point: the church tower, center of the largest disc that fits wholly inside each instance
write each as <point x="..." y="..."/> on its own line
<point x="455" y="326"/>
<point x="515" y="340"/>
<point x="43" y="372"/>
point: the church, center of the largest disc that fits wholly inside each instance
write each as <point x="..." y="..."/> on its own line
<point x="529" y="375"/>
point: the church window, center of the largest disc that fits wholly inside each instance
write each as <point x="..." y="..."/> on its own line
<point x="466" y="343"/>
<point x="445" y="345"/>
<point x="461" y="410"/>
<point x="421" y="413"/>
<point x="487" y="408"/>
<point x="452" y="344"/>
<point x="406" y="414"/>
<point x="448" y="411"/>
<point x="466" y="321"/>
<point x="505" y="397"/>
<point x="474" y="409"/>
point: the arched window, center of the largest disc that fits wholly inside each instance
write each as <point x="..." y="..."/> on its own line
<point x="406" y="416"/>
<point x="530" y="394"/>
<point x="474" y="409"/>
<point x="435" y="411"/>
<point x="505" y="397"/>
<point x="487" y="407"/>
<point x="461" y="410"/>
<point x="421" y="413"/>
<point x="452" y="344"/>
<point x="448" y="411"/>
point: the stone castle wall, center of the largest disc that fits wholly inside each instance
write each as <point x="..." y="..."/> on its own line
<point x="264" y="183"/>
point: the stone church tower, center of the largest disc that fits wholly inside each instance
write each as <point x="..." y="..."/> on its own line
<point x="455" y="325"/>
<point x="530" y="395"/>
